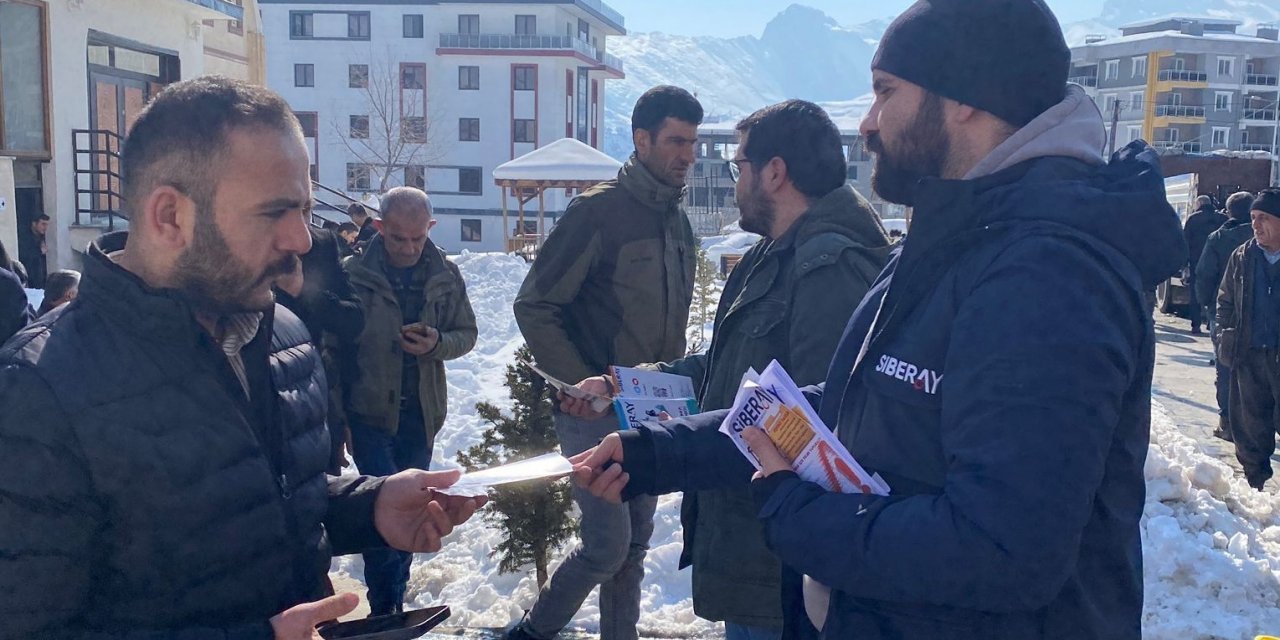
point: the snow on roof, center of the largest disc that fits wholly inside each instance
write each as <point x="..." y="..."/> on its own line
<point x="565" y="159"/>
<point x="1139" y="37"/>
<point x="1206" y="20"/>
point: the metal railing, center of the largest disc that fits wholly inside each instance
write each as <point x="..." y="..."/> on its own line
<point x="1255" y="147"/>
<point x="530" y="42"/>
<point x="606" y="11"/>
<point x="1183" y="76"/>
<point x="1262" y="79"/>
<point x="1179" y="111"/>
<point x="96" y="177"/>
<point x="231" y="10"/>
<point x="1084" y="81"/>
<point x="1260" y="114"/>
<point x="1189" y="147"/>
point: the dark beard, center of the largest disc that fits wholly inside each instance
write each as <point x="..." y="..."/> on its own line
<point x="214" y="281"/>
<point x="921" y="152"/>
<point x="757" y="213"/>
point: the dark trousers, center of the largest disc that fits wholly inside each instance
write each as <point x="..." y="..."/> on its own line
<point x="377" y="453"/>
<point x="1194" y="309"/>
<point x="1256" y="412"/>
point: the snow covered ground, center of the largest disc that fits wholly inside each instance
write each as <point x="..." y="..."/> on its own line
<point x="1211" y="545"/>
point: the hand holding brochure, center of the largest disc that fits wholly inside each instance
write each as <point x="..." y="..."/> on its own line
<point x="598" y="403"/>
<point x="477" y="483"/>
<point x="772" y="401"/>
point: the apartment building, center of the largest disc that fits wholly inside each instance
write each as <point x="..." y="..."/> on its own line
<point x="710" y="200"/>
<point x="436" y="94"/>
<point x="74" y="74"/>
<point x="1186" y="84"/>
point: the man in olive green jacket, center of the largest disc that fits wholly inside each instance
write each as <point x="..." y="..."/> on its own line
<point x="612" y="286"/>
<point x="417" y="315"/>
<point x="788" y="299"/>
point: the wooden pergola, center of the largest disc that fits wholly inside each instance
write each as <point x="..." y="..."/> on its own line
<point x="563" y="164"/>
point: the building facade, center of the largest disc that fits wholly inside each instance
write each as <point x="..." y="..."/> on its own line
<point x="74" y="74"/>
<point x="436" y="94"/>
<point x="1186" y="85"/>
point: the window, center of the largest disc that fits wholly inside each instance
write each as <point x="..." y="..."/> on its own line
<point x="413" y="129"/>
<point x="526" y="25"/>
<point x="309" y="122"/>
<point x="1135" y="133"/>
<point x="1221" y="136"/>
<point x="469" y="129"/>
<point x="469" y="78"/>
<point x="236" y="27"/>
<point x="851" y="173"/>
<point x="1222" y="101"/>
<point x="1136" y="100"/>
<point x="304" y="75"/>
<point x="413" y="76"/>
<point x="1171" y="135"/>
<point x="471" y="230"/>
<point x="359" y="127"/>
<point x="525" y="78"/>
<point x="525" y="131"/>
<point x="413" y="25"/>
<point x="1110" y="105"/>
<point x="469" y="24"/>
<point x="1140" y="67"/>
<point x="358" y="76"/>
<point x="469" y="180"/>
<point x="301" y="24"/>
<point x="357" y="177"/>
<point x="1113" y="70"/>
<point x="1226" y="67"/>
<point x="358" y="26"/>
<point x="1179" y="64"/>
<point x="415" y="175"/>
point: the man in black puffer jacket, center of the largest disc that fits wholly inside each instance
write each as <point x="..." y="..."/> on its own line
<point x="163" y="439"/>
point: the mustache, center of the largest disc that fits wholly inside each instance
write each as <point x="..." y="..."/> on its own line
<point x="287" y="265"/>
<point x="873" y="144"/>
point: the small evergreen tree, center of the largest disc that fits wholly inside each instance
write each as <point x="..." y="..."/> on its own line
<point x="533" y="516"/>
<point x="706" y="297"/>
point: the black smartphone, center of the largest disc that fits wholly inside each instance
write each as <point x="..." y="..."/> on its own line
<point x="395" y="626"/>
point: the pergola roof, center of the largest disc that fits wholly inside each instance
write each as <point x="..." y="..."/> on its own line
<point x="562" y="164"/>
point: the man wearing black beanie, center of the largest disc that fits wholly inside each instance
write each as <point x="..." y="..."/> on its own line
<point x="1248" y="338"/>
<point x="997" y="375"/>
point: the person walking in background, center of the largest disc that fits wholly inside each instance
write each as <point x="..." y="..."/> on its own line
<point x="1218" y="248"/>
<point x="33" y="251"/>
<point x="1204" y="221"/>
<point x="363" y="221"/>
<point x="612" y="286"/>
<point x="60" y="288"/>
<point x="416" y="316"/>
<point x="1248" y="332"/>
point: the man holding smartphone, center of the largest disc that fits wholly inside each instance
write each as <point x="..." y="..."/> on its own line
<point x="417" y="315"/>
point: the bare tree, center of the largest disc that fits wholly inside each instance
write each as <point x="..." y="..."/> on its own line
<point x="396" y="132"/>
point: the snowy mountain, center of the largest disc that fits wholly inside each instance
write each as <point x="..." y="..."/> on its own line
<point x="803" y="53"/>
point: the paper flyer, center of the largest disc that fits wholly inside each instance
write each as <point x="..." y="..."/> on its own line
<point x="477" y="483"/>
<point x="772" y="402"/>
<point x="639" y="383"/>
<point x="633" y="411"/>
<point x="598" y="403"/>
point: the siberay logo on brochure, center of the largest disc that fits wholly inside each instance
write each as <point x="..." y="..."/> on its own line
<point x="919" y="378"/>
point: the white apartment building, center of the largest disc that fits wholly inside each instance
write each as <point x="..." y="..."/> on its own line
<point x="74" y="74"/>
<point x="437" y="93"/>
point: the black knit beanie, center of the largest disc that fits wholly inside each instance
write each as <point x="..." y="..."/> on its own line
<point x="1268" y="202"/>
<point x="1006" y="57"/>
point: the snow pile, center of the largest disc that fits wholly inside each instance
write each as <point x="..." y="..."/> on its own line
<point x="735" y="243"/>
<point x="1211" y="545"/>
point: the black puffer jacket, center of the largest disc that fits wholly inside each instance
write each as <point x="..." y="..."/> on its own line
<point x="139" y="497"/>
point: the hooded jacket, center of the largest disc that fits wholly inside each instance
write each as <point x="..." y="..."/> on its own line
<point x="998" y="377"/>
<point x="1213" y="260"/>
<point x="613" y="283"/>
<point x="788" y="299"/>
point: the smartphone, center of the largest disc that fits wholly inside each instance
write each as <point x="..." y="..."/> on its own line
<point x="396" y="626"/>
<point x="416" y="327"/>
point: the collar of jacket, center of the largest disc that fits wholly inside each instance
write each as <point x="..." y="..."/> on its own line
<point x="1232" y="223"/>
<point x="370" y="265"/>
<point x="160" y="314"/>
<point x="841" y="211"/>
<point x="643" y="186"/>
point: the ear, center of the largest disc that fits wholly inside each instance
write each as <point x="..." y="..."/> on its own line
<point x="959" y="112"/>
<point x="168" y="216"/>
<point x="431" y="224"/>
<point x="775" y="175"/>
<point x="640" y="138"/>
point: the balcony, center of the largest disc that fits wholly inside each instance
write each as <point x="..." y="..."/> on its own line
<point x="605" y="10"/>
<point x="514" y="42"/>
<point x="227" y="9"/>
<point x="1255" y="147"/>
<point x="1175" y="75"/>
<point x="1084" y="81"/>
<point x="1260" y="114"/>
<point x="1261" y="80"/>
<point x="1178" y="111"/>
<point x="1169" y="145"/>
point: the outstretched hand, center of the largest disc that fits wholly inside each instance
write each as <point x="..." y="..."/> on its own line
<point x="411" y="516"/>
<point x="599" y="469"/>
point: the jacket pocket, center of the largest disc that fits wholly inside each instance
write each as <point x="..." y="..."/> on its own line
<point x="1226" y="347"/>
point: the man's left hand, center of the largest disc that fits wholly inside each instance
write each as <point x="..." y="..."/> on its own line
<point x="411" y="516"/>
<point x="771" y="460"/>
<point x="420" y="340"/>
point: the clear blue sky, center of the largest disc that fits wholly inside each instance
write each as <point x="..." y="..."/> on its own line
<point x="728" y="18"/>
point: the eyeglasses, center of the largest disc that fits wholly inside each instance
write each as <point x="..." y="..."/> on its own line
<point x="735" y="168"/>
